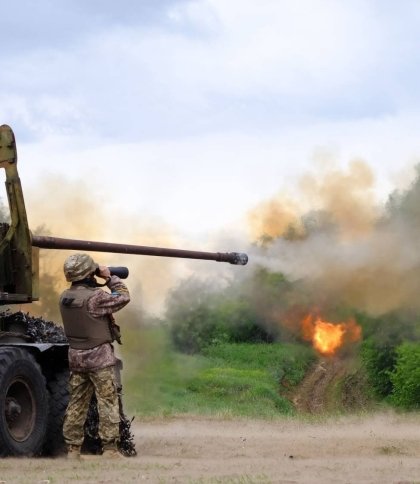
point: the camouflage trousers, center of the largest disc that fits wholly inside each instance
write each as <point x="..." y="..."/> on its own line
<point x="82" y="385"/>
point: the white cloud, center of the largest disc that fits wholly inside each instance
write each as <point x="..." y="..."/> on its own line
<point x="213" y="65"/>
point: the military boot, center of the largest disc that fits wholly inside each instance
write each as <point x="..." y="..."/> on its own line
<point x="112" y="452"/>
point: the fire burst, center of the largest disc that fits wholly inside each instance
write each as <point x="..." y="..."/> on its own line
<point x="327" y="338"/>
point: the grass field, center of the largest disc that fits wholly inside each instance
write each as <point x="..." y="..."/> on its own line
<point x="229" y="379"/>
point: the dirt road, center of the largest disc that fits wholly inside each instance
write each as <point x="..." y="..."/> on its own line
<point x="378" y="449"/>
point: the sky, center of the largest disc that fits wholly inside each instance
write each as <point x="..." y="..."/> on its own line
<point x="186" y="114"/>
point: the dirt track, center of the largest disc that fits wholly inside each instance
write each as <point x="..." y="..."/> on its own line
<point x="317" y="393"/>
<point x="380" y="449"/>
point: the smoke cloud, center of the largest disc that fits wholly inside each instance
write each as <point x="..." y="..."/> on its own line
<point x="346" y="249"/>
<point x="333" y="240"/>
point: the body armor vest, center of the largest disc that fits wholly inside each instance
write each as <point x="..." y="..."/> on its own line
<point x="83" y="330"/>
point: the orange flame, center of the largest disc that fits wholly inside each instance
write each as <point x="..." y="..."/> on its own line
<point x="327" y="338"/>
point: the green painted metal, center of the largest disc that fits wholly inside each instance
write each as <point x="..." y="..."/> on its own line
<point x="17" y="280"/>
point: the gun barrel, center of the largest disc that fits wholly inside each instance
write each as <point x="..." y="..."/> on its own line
<point x="46" y="242"/>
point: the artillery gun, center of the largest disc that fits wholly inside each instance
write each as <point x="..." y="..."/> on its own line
<point x="34" y="375"/>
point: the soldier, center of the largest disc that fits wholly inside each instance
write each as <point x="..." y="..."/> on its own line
<point x="87" y="313"/>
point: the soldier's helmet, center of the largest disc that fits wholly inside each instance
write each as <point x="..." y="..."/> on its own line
<point x="78" y="267"/>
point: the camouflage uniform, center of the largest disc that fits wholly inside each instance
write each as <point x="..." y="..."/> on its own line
<point x="93" y="370"/>
<point x="82" y="386"/>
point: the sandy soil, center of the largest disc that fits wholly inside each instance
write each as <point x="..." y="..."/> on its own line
<point x="379" y="449"/>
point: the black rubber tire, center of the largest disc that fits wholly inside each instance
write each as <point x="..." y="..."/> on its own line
<point x="23" y="403"/>
<point x="58" y="390"/>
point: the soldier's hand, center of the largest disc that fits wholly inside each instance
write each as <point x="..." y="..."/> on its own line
<point x="104" y="272"/>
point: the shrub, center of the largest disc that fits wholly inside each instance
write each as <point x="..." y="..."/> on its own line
<point x="200" y="315"/>
<point x="406" y="376"/>
<point x="379" y="361"/>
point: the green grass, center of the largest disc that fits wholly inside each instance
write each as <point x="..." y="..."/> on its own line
<point x="227" y="380"/>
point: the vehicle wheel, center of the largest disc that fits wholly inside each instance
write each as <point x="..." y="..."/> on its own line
<point x="58" y="400"/>
<point x="23" y="403"/>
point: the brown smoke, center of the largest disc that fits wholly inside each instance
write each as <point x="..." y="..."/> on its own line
<point x="272" y="218"/>
<point x="346" y="196"/>
<point x="350" y="250"/>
